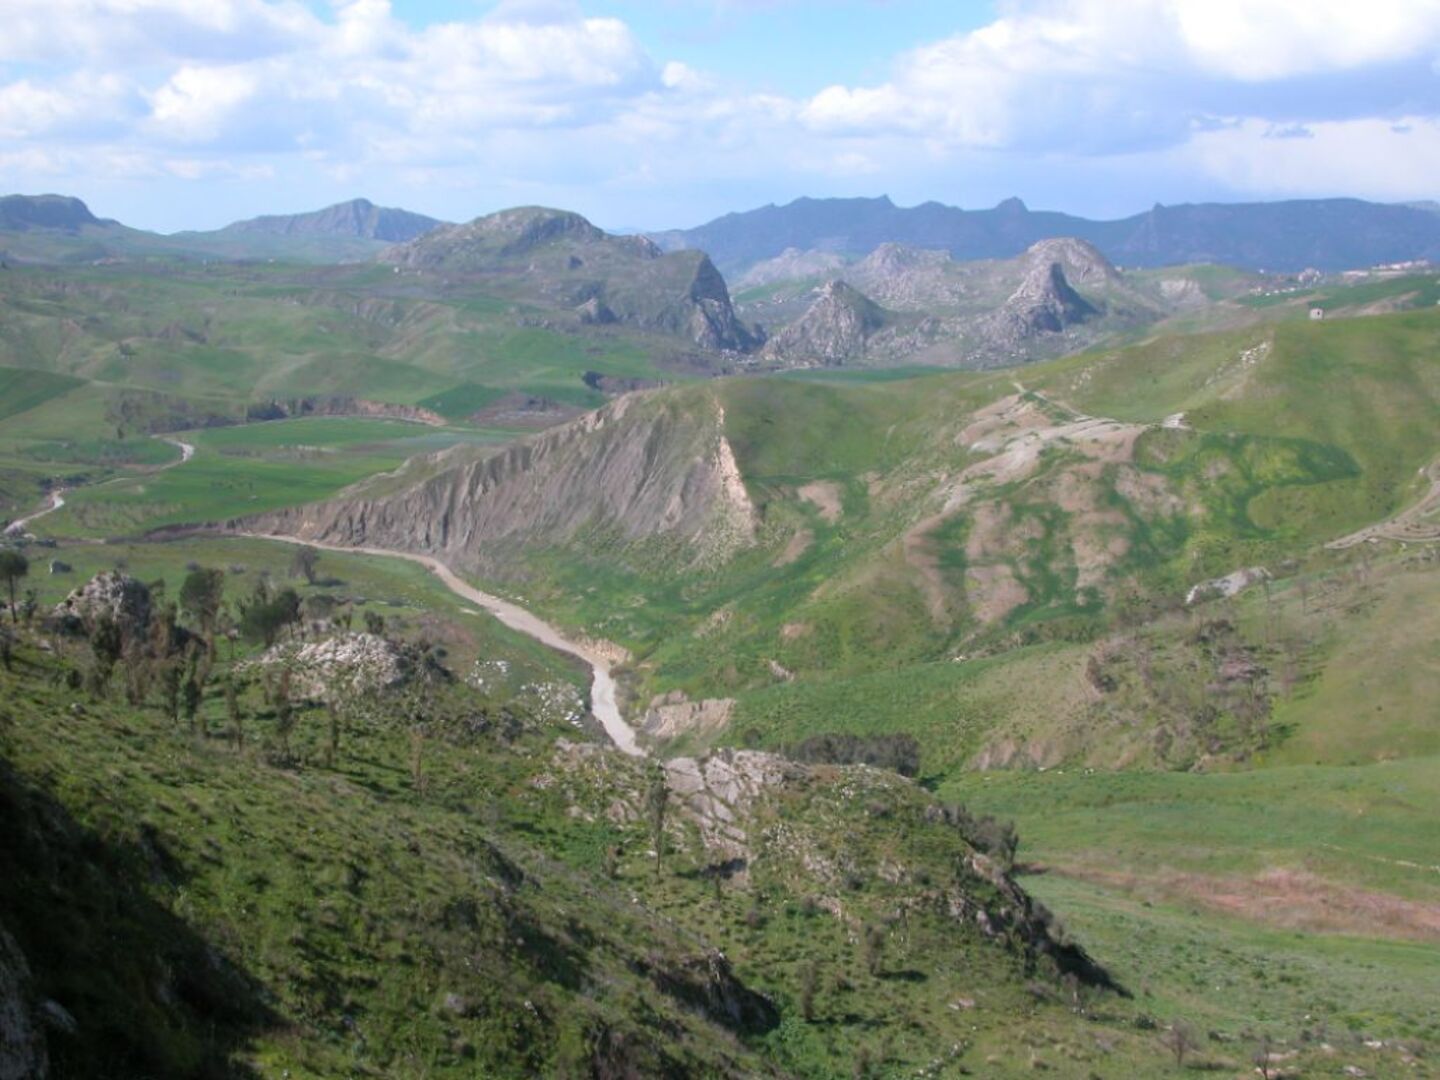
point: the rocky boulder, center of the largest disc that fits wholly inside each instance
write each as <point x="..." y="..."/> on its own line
<point x="110" y="593"/>
<point x="338" y="667"/>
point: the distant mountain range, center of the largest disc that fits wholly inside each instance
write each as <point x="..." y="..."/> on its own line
<point x="1326" y="234"/>
<point x="61" y="228"/>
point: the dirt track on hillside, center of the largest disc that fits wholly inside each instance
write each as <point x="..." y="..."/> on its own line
<point x="1418" y="525"/>
<point x="603" y="701"/>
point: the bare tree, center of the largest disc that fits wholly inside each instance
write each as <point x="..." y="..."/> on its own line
<point x="284" y="713"/>
<point x="191" y="697"/>
<point x="1181" y="1039"/>
<point x="13" y="567"/>
<point x="1262" y="1057"/>
<point x="809" y="987"/>
<point x="874" y="943"/>
<point x="234" y="712"/>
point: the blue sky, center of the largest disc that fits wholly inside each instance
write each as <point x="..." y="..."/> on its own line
<point x="755" y="42"/>
<point x="173" y="114"/>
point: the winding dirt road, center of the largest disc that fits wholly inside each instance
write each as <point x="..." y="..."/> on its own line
<point x="1417" y="525"/>
<point x="19" y="525"/>
<point x="57" y="497"/>
<point x="603" y="702"/>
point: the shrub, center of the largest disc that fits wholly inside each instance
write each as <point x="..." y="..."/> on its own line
<point x="898" y="752"/>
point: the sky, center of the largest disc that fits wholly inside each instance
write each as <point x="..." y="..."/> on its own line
<point x="175" y="114"/>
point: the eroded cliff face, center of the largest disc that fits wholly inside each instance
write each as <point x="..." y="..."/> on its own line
<point x="652" y="466"/>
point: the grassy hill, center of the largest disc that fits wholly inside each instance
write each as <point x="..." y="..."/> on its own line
<point x="1231" y="793"/>
<point x="472" y="895"/>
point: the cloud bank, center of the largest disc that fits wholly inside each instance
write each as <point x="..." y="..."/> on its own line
<point x="540" y="100"/>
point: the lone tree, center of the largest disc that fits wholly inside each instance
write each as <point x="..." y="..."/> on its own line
<point x="107" y="645"/>
<point x="265" y="616"/>
<point x="304" y="563"/>
<point x="284" y="714"/>
<point x="200" y="598"/>
<point x="809" y="987"/>
<point x="234" y="712"/>
<point x="657" y="804"/>
<point x="192" y="694"/>
<point x="13" y="567"/>
<point x="874" y="948"/>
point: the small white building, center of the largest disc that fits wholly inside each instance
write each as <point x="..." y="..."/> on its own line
<point x="1316" y="314"/>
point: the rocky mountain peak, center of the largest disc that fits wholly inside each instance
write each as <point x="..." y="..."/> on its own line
<point x="832" y="331"/>
<point x="1082" y="261"/>
<point x="1045" y="302"/>
<point x="558" y="257"/>
<point x="893" y="260"/>
<point x="527" y="227"/>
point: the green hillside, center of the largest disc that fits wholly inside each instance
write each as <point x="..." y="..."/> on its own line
<point x="1226" y="801"/>
<point x="243" y="893"/>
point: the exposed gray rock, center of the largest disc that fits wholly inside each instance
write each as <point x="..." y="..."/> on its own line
<point x="23" y="1054"/>
<point x="1044" y="303"/>
<point x="1229" y="585"/>
<point x="338" y="667"/>
<point x="833" y="331"/>
<point x="670" y="717"/>
<point x="718" y="791"/>
<point x="112" y="593"/>
<point x="909" y="278"/>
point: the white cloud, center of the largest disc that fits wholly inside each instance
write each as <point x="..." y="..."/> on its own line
<point x="126" y="33"/>
<point x="80" y="105"/>
<point x="537" y="95"/>
<point x="1098" y="76"/>
<point x="1272" y="39"/>
<point x="1331" y="159"/>
<point x="196" y="101"/>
